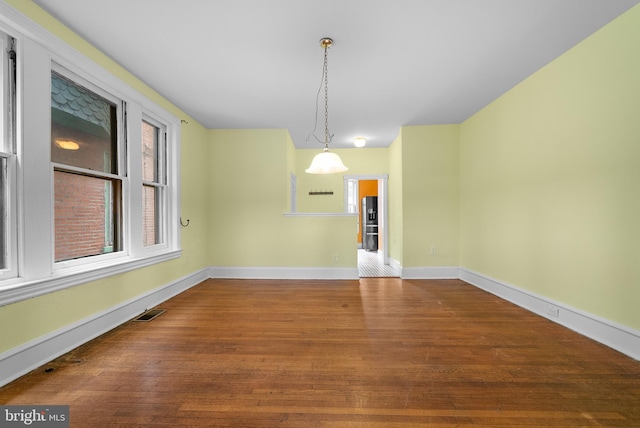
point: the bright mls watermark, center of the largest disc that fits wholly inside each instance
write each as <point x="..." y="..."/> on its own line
<point x="34" y="416"/>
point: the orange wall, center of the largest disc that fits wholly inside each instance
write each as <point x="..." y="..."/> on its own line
<point x="365" y="188"/>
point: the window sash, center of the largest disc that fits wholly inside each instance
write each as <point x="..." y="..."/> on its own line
<point x="8" y="215"/>
<point x="84" y="230"/>
<point x="150" y="142"/>
<point x="152" y="215"/>
<point x="84" y="126"/>
<point x="159" y="175"/>
<point x="5" y="250"/>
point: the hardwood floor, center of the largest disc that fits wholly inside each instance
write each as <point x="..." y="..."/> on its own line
<point x="381" y="352"/>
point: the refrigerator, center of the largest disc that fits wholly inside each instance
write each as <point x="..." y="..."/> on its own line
<point x="370" y="223"/>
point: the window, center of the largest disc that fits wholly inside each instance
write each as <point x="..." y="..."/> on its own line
<point x="352" y="200"/>
<point x="153" y="182"/>
<point x="89" y="186"/>
<point x="352" y="196"/>
<point x="7" y="158"/>
<point x="4" y="204"/>
<point x="87" y="175"/>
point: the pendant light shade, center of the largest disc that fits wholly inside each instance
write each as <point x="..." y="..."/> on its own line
<point x="325" y="162"/>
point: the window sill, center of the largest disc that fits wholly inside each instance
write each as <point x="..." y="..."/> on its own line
<point x="16" y="290"/>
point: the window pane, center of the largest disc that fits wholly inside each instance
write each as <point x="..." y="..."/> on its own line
<point x="86" y="215"/>
<point x="152" y="173"/>
<point x="83" y="127"/>
<point x="4" y="245"/>
<point x="149" y="152"/>
<point x="150" y="201"/>
<point x="352" y="197"/>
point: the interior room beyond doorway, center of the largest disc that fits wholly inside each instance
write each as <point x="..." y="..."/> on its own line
<point x="367" y="197"/>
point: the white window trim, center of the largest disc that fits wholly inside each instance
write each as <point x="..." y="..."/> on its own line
<point x="37" y="51"/>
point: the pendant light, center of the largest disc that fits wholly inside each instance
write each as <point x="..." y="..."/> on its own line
<point x="326" y="162"/>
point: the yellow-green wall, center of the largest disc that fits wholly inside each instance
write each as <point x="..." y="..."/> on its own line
<point x="396" y="229"/>
<point x="430" y="158"/>
<point x="550" y="174"/>
<point x="195" y="205"/>
<point x="248" y="199"/>
<point x="291" y="170"/>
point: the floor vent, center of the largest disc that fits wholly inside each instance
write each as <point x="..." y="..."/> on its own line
<point x="149" y="315"/>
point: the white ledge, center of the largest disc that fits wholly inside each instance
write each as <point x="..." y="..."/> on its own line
<point x="21" y="289"/>
<point x="319" y="214"/>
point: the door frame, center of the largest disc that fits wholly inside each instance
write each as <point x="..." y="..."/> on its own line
<point x="383" y="207"/>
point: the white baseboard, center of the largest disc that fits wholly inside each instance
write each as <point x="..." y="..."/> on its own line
<point x="618" y="337"/>
<point x="432" y="272"/>
<point x="395" y="265"/>
<point x="283" y="273"/>
<point x="33" y="354"/>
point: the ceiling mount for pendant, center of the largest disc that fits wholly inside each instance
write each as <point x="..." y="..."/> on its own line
<point x="326" y="42"/>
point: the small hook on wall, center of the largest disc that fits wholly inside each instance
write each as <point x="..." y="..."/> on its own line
<point x="182" y="224"/>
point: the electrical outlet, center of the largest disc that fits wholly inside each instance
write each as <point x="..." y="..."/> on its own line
<point x="434" y="250"/>
<point x="553" y="311"/>
<point x="334" y="259"/>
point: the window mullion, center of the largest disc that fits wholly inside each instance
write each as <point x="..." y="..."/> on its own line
<point x="35" y="177"/>
<point x="134" y="178"/>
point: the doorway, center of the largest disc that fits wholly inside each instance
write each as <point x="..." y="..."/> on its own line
<point x="370" y="263"/>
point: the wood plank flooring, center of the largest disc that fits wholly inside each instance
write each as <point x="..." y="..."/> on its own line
<point x="379" y="352"/>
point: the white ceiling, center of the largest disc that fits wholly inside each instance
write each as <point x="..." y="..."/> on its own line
<point x="258" y="63"/>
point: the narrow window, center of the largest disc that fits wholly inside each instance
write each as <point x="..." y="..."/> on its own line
<point x="86" y="171"/>
<point x="4" y="203"/>
<point x="352" y="196"/>
<point x="153" y="182"/>
<point x="8" y="202"/>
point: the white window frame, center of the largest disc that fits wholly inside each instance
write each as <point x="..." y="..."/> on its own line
<point x="121" y="173"/>
<point x="161" y="183"/>
<point x="37" y="273"/>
